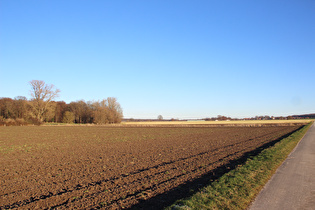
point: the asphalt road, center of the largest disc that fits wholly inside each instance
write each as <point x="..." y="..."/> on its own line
<point x="293" y="184"/>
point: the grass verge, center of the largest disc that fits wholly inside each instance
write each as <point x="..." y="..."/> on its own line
<point x="239" y="187"/>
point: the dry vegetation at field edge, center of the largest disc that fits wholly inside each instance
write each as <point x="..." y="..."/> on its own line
<point x="115" y="167"/>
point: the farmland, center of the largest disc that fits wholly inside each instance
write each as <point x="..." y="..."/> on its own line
<point x="116" y="167"/>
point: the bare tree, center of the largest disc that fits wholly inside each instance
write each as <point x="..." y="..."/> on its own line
<point x="160" y="117"/>
<point x="107" y="111"/>
<point x="42" y="96"/>
<point x="7" y="108"/>
<point x="115" y="110"/>
<point x="61" y="108"/>
<point x="21" y="107"/>
<point x="101" y="112"/>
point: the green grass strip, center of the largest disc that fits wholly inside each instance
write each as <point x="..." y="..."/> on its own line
<point x="239" y="187"/>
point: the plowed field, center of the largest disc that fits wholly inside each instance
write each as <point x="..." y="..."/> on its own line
<point x="84" y="167"/>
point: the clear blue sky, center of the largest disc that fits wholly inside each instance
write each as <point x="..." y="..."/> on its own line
<point x="180" y="59"/>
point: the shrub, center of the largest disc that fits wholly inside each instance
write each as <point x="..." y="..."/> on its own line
<point x="20" y="121"/>
<point x="33" y="121"/>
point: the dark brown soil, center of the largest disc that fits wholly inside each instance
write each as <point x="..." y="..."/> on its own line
<point x="116" y="167"/>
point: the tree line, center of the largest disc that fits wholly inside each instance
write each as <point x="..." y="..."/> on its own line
<point x="42" y="107"/>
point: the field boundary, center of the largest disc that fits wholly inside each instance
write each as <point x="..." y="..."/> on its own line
<point x="219" y="123"/>
<point x="213" y="125"/>
<point x="121" y="167"/>
<point x="237" y="188"/>
<point x="240" y="123"/>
